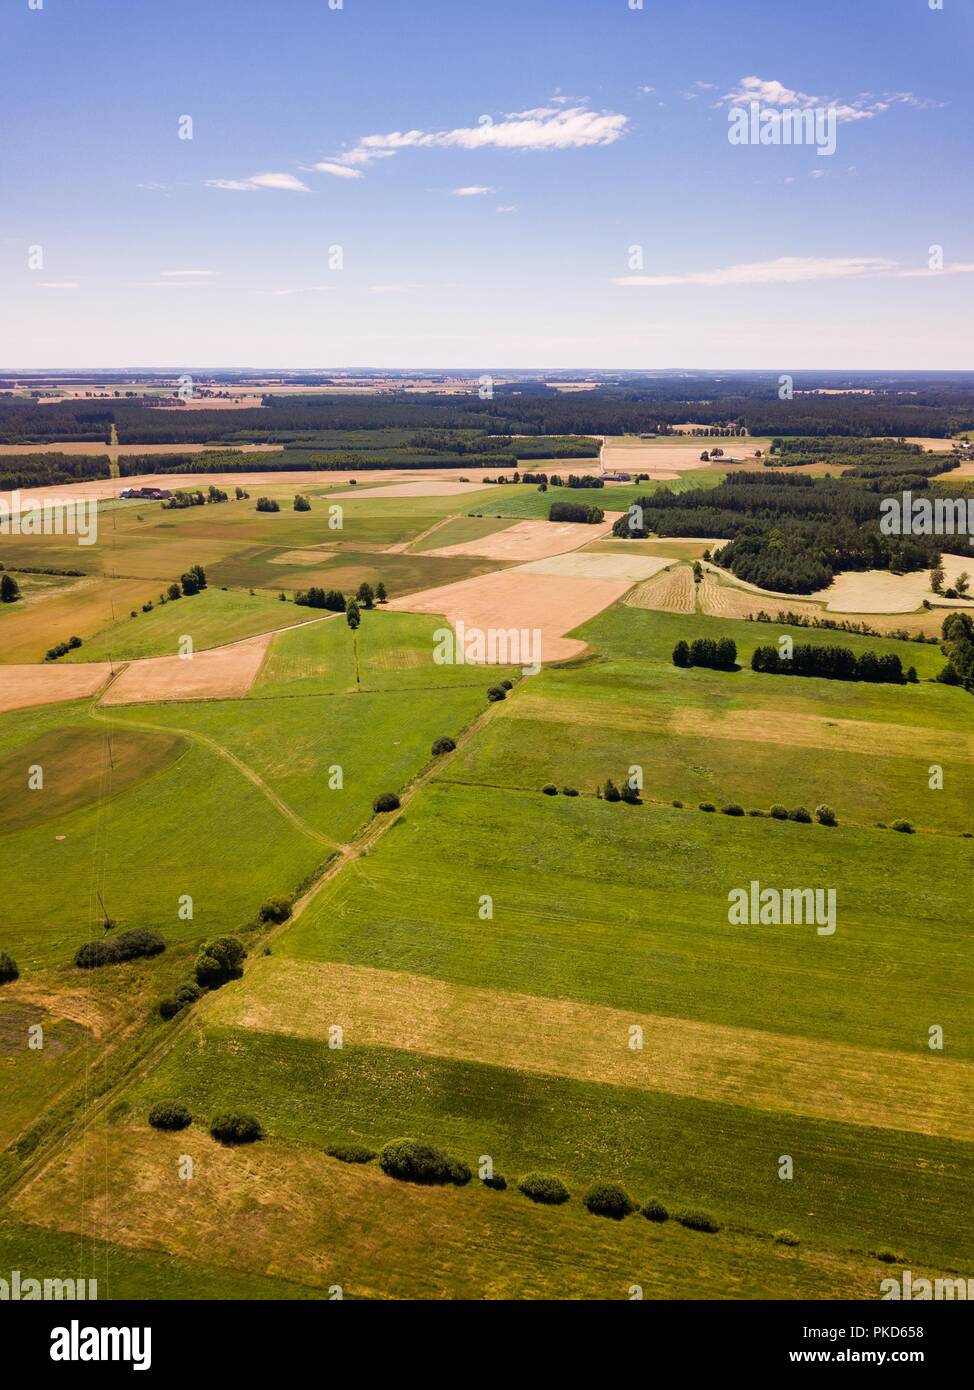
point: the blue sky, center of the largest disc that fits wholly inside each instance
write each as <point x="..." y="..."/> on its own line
<point x="576" y="130"/>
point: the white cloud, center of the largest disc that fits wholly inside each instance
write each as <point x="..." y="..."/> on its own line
<point x="795" y="270"/>
<point x="283" y="182"/>
<point x="538" y="128"/>
<point x="506" y="209"/>
<point x="340" y="171"/>
<point x="404" y="287"/>
<point x="186" y="274"/>
<point x="59" y="285"/>
<point x="774" y="94"/>
<point x="472" y="190"/>
<point x="647" y="91"/>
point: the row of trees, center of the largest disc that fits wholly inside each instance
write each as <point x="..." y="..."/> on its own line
<point x="334" y="600"/>
<point x="719" y="654"/>
<point x="575" y="511"/>
<point x="832" y="663"/>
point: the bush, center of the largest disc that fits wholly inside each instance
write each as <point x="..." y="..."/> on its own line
<point x="697" y="1221"/>
<point x="681" y="654"/>
<point x="786" y="1238"/>
<point x="234" y="1128"/>
<point x="497" y="1182"/>
<point x="890" y="1257"/>
<point x="169" y="1114"/>
<point x="801" y="815"/>
<point x="412" y="1160"/>
<point x="732" y="810"/>
<point x="569" y="791"/>
<point x="825" y="815"/>
<point x="184" y="995"/>
<point x="544" y="1188"/>
<point x="8" y="969"/>
<point x="612" y="792"/>
<point x="778" y="812"/>
<point x="678" y="805"/>
<point x="275" y="910"/>
<point x="219" y="960"/>
<point x="508" y="685"/>
<point x="495" y="693"/>
<point x="351" y="1153"/>
<point x="762" y="814"/>
<point x="653" y="1210"/>
<point x="903" y="826"/>
<point x="609" y="1199"/>
<point x="385" y="801"/>
<point x="707" y="806"/>
<point x="443" y="745"/>
<point x="630" y="795"/>
<point x="129" y="945"/>
<point x="550" y="789"/>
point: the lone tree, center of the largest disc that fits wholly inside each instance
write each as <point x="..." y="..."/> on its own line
<point x="194" y="580"/>
<point x="352" y="616"/>
<point x="9" y="589"/>
<point x="365" y="595"/>
<point x="8" y="969"/>
<point x="380" y="593"/>
<point x="301" y="503"/>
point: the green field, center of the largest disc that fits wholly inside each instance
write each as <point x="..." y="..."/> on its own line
<point x="487" y="949"/>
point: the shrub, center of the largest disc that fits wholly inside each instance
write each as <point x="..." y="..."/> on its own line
<point x="612" y="792"/>
<point x="801" y="815"/>
<point x="184" y="995"/>
<point x="508" y="685"/>
<point x="544" y="1188"/>
<point x="678" y="805"/>
<point x="351" y="1153"/>
<point x="786" y="1238"/>
<point x="219" y="960"/>
<point x="778" y="812"/>
<point x="762" y="814"/>
<point x="681" y="654"/>
<point x="707" y="806"/>
<point x="234" y="1128"/>
<point x="550" y="789"/>
<point x="412" y="1160"/>
<point x="825" y="815"/>
<point x="569" y="791"/>
<point x="275" y="910"/>
<point x="497" y="1182"/>
<point x="732" y="810"/>
<point x="630" y="795"/>
<point x="609" y="1199"/>
<point x="385" y="801"/>
<point x="8" y="969"/>
<point x="903" y="826"/>
<point x="169" y="1114"/>
<point x="890" y="1257"/>
<point x="129" y="945"/>
<point x="495" y="693"/>
<point x="443" y="745"/>
<point x="653" y="1210"/>
<point x="697" y="1221"/>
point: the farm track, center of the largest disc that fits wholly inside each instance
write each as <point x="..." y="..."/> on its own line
<point x="346" y="854"/>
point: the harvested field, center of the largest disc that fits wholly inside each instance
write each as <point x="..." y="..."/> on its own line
<point x="673" y="591"/>
<point x="303" y="557"/>
<point x="22" y="687"/>
<point x="667" y="461"/>
<point x="516" y="598"/>
<point x="585" y="565"/>
<point x="94" y="447"/>
<point x="879" y="591"/>
<point x="589" y="1042"/>
<point x="529" y="540"/>
<point x="218" y="674"/>
<point x="426" y="487"/>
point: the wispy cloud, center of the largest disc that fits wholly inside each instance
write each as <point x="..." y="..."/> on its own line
<point x="59" y="285"/>
<point x="472" y="190"/>
<point x="403" y="287"/>
<point x="510" y="208"/>
<point x="188" y="274"/>
<point x="771" y="93"/>
<point x="795" y="270"/>
<point x="553" y="127"/>
<point x="287" y="183"/>
<point x="340" y="171"/>
<point x="298" y="289"/>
